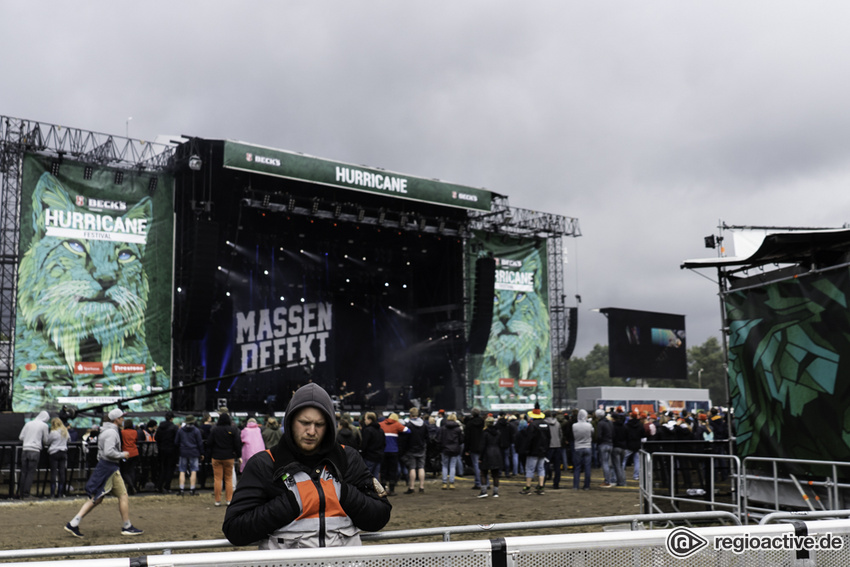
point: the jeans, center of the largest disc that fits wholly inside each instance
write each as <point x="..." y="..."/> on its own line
<point x="58" y="466"/>
<point x="636" y="461"/>
<point x="476" y="458"/>
<point x="29" y="467"/>
<point x="554" y="465"/>
<point x="605" y="460"/>
<point x="582" y="463"/>
<point x="449" y="464"/>
<point x="373" y="467"/>
<point x="617" y="454"/>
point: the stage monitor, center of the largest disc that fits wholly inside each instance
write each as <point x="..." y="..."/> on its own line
<point x="644" y="344"/>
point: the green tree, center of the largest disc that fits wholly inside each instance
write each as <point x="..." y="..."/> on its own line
<point x="708" y="358"/>
<point x="592" y="370"/>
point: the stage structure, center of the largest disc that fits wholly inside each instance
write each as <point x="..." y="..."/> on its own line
<point x="784" y="304"/>
<point x="286" y="269"/>
<point x="342" y="273"/>
<point x="85" y="271"/>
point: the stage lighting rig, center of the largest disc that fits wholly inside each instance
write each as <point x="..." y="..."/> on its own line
<point x="315" y="208"/>
<point x="361" y="214"/>
<point x="195" y="162"/>
<point x="382" y="215"/>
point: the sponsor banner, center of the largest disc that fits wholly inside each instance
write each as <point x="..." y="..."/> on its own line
<point x="94" y="286"/>
<point x="238" y="155"/>
<point x="516" y="367"/>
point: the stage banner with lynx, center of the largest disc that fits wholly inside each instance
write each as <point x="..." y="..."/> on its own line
<point x="515" y="369"/>
<point x="94" y="287"/>
<point x="788" y="367"/>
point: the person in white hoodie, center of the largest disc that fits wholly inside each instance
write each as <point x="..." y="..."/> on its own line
<point x="33" y="439"/>
<point x="582" y="441"/>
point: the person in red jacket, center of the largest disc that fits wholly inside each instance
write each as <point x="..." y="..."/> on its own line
<point x="308" y="491"/>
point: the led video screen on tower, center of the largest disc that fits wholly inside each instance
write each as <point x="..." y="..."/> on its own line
<point x="644" y="344"/>
<point x="94" y="287"/>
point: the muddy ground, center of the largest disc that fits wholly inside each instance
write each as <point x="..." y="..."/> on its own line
<point x="38" y="523"/>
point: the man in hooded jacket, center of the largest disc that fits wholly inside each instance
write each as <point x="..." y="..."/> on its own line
<point x="308" y="491"/>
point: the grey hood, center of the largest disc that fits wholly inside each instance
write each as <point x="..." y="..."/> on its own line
<point x="311" y="395"/>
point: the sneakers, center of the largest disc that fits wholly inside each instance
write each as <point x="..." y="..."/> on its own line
<point x="525" y="490"/>
<point x="181" y="492"/>
<point x="421" y="490"/>
<point x="451" y="486"/>
<point x="539" y="491"/>
<point x="131" y="531"/>
<point x="606" y="485"/>
<point x="409" y="491"/>
<point x="192" y="492"/>
<point x="218" y="504"/>
<point x="483" y="495"/>
<point x="73" y="530"/>
<point x="445" y="486"/>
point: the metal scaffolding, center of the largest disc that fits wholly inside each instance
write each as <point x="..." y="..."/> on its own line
<point x="19" y="136"/>
<point x="512" y="221"/>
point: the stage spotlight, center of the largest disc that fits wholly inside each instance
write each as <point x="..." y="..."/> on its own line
<point x="195" y="163"/>
<point x="422" y="223"/>
<point x="54" y="168"/>
<point x="227" y="294"/>
<point x="382" y="214"/>
<point x="152" y="185"/>
<point x="442" y="226"/>
<point x="337" y="210"/>
<point x="266" y="199"/>
<point x="179" y="289"/>
<point x="315" y="208"/>
<point x="291" y="205"/>
<point x="119" y="177"/>
<point x="88" y="171"/>
<point x="403" y="220"/>
<point x="361" y="213"/>
<point x="265" y="272"/>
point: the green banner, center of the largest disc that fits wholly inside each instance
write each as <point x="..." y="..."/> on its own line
<point x="788" y="376"/>
<point x="94" y="287"/>
<point x="290" y="165"/>
<point x="515" y="370"/>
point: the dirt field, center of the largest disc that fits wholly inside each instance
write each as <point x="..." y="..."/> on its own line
<point x="38" y="523"/>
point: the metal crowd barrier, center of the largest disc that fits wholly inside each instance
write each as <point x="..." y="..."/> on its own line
<point x="81" y="461"/>
<point x="634" y="521"/>
<point x="830" y="486"/>
<point x="675" y="465"/>
<point x="823" y="543"/>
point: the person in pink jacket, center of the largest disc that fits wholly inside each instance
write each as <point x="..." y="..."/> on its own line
<point x="252" y="441"/>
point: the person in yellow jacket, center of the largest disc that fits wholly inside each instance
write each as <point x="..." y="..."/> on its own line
<point x="308" y="491"/>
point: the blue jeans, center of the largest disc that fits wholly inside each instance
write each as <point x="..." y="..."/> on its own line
<point x="449" y="465"/>
<point x="617" y="462"/>
<point x="373" y="467"/>
<point x="582" y="463"/>
<point x="535" y="466"/>
<point x="636" y="460"/>
<point x="605" y="460"/>
<point x="476" y="458"/>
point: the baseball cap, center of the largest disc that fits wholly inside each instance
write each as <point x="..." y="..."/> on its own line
<point x="115" y="414"/>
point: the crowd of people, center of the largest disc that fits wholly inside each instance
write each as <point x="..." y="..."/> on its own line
<point x="399" y="451"/>
<point x="541" y="446"/>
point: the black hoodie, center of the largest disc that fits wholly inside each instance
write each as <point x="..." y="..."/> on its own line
<point x="262" y="503"/>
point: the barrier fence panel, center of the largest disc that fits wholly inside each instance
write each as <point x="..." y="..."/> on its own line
<point x="675" y="473"/>
<point x="823" y="543"/>
<point x="786" y="490"/>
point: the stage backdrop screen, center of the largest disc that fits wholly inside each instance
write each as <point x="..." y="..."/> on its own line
<point x="644" y="344"/>
<point x="788" y="373"/>
<point x="94" y="287"/>
<point x="516" y="368"/>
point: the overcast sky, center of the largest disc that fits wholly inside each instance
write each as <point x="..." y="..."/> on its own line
<point x="648" y="121"/>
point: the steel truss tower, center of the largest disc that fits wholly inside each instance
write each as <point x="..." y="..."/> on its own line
<point x="504" y="219"/>
<point x="19" y="136"/>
